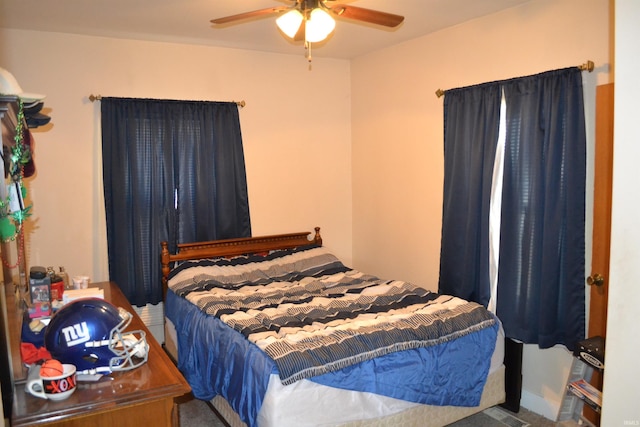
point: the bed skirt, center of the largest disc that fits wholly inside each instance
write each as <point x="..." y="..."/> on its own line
<point x="417" y="415"/>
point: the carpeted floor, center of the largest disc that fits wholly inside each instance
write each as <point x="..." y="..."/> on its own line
<point x="500" y="417"/>
<point x="197" y="413"/>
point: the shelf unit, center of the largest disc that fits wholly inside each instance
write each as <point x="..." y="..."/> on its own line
<point x="8" y="251"/>
<point x="578" y="391"/>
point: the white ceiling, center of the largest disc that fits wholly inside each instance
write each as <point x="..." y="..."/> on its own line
<point x="187" y="21"/>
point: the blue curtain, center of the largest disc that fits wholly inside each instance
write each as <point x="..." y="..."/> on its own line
<point x="542" y="243"/>
<point x="174" y="171"/>
<point x="471" y="118"/>
<point x="540" y="297"/>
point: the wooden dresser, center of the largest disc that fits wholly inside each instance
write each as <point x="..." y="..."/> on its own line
<point x="143" y="396"/>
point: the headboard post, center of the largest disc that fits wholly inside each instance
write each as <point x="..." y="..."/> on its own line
<point x="317" y="239"/>
<point x="164" y="259"/>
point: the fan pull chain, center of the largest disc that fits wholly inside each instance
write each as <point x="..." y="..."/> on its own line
<point x="307" y="46"/>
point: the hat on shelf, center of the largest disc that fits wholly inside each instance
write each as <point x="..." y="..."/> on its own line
<point x="31" y="102"/>
<point x="37" y="119"/>
<point x="9" y="86"/>
<point x="33" y="108"/>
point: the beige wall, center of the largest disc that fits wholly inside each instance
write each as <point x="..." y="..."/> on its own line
<point x="622" y="370"/>
<point x="398" y="137"/>
<point x="398" y="126"/>
<point x="296" y="130"/>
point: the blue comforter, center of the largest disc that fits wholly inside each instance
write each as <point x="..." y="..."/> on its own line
<point x="443" y="365"/>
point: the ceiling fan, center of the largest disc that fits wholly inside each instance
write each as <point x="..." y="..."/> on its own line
<point x="312" y="20"/>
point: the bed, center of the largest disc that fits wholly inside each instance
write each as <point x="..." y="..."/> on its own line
<point x="277" y="331"/>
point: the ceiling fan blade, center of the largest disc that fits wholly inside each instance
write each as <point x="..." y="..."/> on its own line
<point x="367" y="15"/>
<point x="247" y="15"/>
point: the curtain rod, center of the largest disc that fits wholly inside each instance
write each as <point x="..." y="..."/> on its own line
<point x="93" y="98"/>
<point x="587" y="66"/>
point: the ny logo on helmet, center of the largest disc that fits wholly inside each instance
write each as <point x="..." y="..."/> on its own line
<point x="76" y="334"/>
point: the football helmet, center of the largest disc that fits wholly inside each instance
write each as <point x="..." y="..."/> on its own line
<point x="90" y="334"/>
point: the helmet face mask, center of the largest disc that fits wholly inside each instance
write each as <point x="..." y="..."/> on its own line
<point x="90" y="334"/>
<point x="130" y="351"/>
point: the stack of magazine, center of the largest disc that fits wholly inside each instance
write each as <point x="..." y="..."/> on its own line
<point x="585" y="391"/>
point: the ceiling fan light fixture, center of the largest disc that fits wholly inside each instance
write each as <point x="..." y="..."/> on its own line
<point x="319" y="25"/>
<point x="312" y="20"/>
<point x="290" y="22"/>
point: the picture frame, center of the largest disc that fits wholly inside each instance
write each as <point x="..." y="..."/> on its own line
<point x="40" y="293"/>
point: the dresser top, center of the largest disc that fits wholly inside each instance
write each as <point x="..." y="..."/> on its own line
<point x="157" y="379"/>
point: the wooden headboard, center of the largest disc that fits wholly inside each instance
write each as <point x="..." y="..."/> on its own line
<point x="232" y="247"/>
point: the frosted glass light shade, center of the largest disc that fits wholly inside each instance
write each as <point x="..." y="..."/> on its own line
<point x="319" y="25"/>
<point x="290" y="22"/>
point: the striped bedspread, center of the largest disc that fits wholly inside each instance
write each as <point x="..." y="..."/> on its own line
<point x="313" y="315"/>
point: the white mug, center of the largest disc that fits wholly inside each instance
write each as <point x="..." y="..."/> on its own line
<point x="53" y="388"/>
<point x="80" y="282"/>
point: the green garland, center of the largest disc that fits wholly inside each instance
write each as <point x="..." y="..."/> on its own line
<point x="20" y="156"/>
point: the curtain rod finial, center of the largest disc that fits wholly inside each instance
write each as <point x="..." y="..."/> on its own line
<point x="588" y="66"/>
<point x="439" y="93"/>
